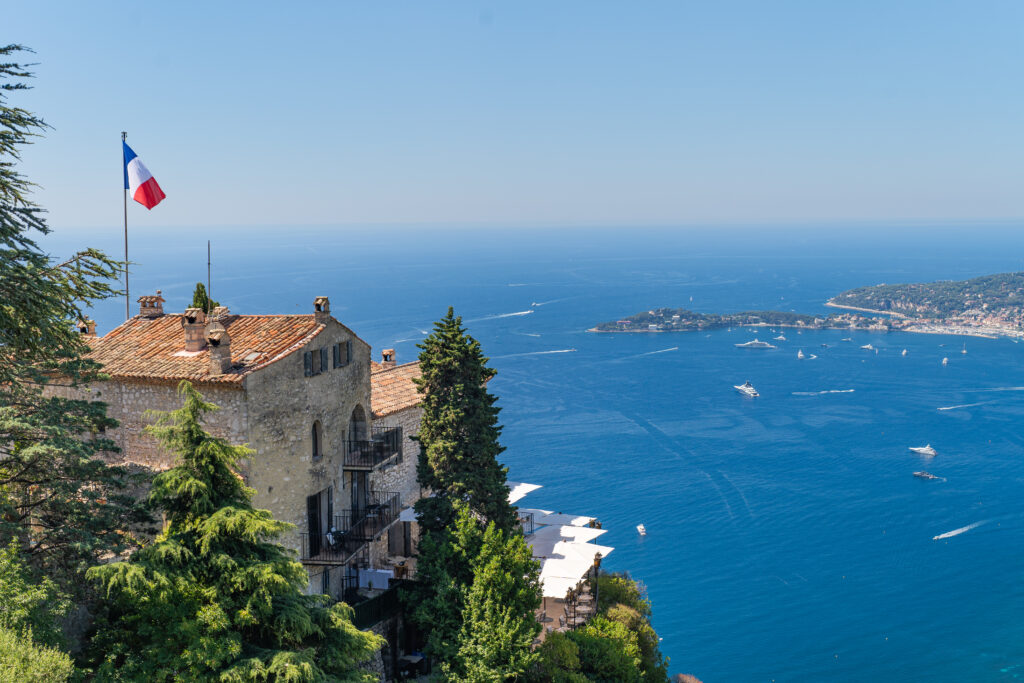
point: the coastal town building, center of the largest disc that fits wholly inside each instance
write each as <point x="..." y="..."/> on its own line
<point x="329" y="429"/>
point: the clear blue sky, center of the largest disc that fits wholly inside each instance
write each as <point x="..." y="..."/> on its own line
<point x="528" y="112"/>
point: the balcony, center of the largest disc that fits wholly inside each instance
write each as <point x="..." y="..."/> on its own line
<point x="353" y="529"/>
<point x="385" y="444"/>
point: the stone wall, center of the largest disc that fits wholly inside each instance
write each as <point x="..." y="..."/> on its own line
<point x="128" y="401"/>
<point x="401" y="477"/>
<point x="282" y="406"/>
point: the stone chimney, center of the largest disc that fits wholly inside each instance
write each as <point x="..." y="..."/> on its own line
<point x="151" y="306"/>
<point x="321" y="309"/>
<point x="87" y="327"/>
<point x="219" y="313"/>
<point x="194" y="324"/>
<point x="220" y="348"/>
<point x="387" y="358"/>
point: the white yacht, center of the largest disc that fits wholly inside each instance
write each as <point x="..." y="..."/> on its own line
<point x="923" y="450"/>
<point x="945" y="361"/>
<point x="800" y="354"/>
<point x="780" y="338"/>
<point x="868" y="347"/>
<point x="747" y="389"/>
<point x="755" y="344"/>
<point x="641" y="529"/>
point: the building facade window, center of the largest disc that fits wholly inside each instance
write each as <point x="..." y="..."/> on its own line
<point x="318" y="440"/>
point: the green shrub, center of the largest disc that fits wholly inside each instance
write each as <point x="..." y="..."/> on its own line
<point x="23" y="661"/>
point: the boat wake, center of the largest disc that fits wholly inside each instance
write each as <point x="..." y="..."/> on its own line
<point x="997" y="389"/>
<point x="651" y="353"/>
<point x="545" y="303"/>
<point x="535" y="353"/>
<point x="500" y="315"/>
<point x="961" y="530"/>
<point x="965" y="405"/>
<point x="821" y="393"/>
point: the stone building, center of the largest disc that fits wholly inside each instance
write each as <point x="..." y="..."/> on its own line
<point x="329" y="428"/>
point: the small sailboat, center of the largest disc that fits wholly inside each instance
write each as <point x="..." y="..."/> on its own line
<point x="945" y="361"/>
<point x="800" y="354"/>
<point x="641" y="529"/>
<point x="904" y="352"/>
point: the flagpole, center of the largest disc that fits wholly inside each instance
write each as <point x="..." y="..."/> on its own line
<point x="209" y="288"/>
<point x="127" y="312"/>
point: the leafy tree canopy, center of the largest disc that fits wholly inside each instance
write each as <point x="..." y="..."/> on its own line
<point x="65" y="505"/>
<point x="215" y="597"/>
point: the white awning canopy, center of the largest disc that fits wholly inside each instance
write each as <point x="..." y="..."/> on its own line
<point x="544" y="517"/>
<point x="544" y="539"/>
<point x="567" y="564"/>
<point x="518" y="490"/>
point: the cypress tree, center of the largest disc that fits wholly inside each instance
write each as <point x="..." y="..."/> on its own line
<point x="214" y="597"/>
<point x="66" y="507"/>
<point x="459" y="430"/>
<point x="200" y="299"/>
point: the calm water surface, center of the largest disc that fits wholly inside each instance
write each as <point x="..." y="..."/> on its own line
<point x="787" y="538"/>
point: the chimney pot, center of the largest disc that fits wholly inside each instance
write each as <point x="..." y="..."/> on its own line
<point x="87" y="327"/>
<point x="193" y="321"/>
<point x="387" y="358"/>
<point x="219" y="313"/>
<point x="321" y="309"/>
<point x="220" y="348"/>
<point x="151" y="306"/>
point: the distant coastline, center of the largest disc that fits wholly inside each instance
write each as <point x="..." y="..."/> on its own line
<point x="991" y="306"/>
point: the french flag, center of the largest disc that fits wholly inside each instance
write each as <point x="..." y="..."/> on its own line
<point x="140" y="181"/>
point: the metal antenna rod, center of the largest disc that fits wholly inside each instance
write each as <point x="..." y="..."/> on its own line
<point x="127" y="312"/>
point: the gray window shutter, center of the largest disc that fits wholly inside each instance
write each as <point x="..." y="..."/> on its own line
<point x="348" y="352"/>
<point x="323" y="360"/>
<point x="337" y="355"/>
<point x="307" y="361"/>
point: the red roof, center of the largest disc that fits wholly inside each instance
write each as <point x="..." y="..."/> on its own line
<point x="393" y="390"/>
<point x="154" y="348"/>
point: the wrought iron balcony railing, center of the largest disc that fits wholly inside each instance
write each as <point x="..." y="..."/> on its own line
<point x="352" y="530"/>
<point x="385" y="443"/>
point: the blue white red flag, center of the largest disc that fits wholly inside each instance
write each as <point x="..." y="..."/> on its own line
<point x="139" y="181"/>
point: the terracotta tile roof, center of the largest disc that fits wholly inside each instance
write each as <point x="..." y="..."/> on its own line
<point x="392" y="389"/>
<point x="154" y="348"/>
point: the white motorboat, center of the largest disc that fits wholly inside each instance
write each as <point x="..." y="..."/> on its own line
<point x="779" y="338"/>
<point x="641" y="529"/>
<point x="755" y="344"/>
<point x="923" y="450"/>
<point x="964" y="350"/>
<point x="925" y="475"/>
<point x="846" y="339"/>
<point x="747" y="389"/>
<point x="945" y="361"/>
<point x="800" y="354"/>
<point x="904" y="352"/>
<point x="868" y="347"/>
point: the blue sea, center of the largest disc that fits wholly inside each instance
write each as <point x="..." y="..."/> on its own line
<point x="787" y="538"/>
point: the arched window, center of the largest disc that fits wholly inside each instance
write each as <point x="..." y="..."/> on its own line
<point x="318" y="440"/>
<point x="357" y="425"/>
